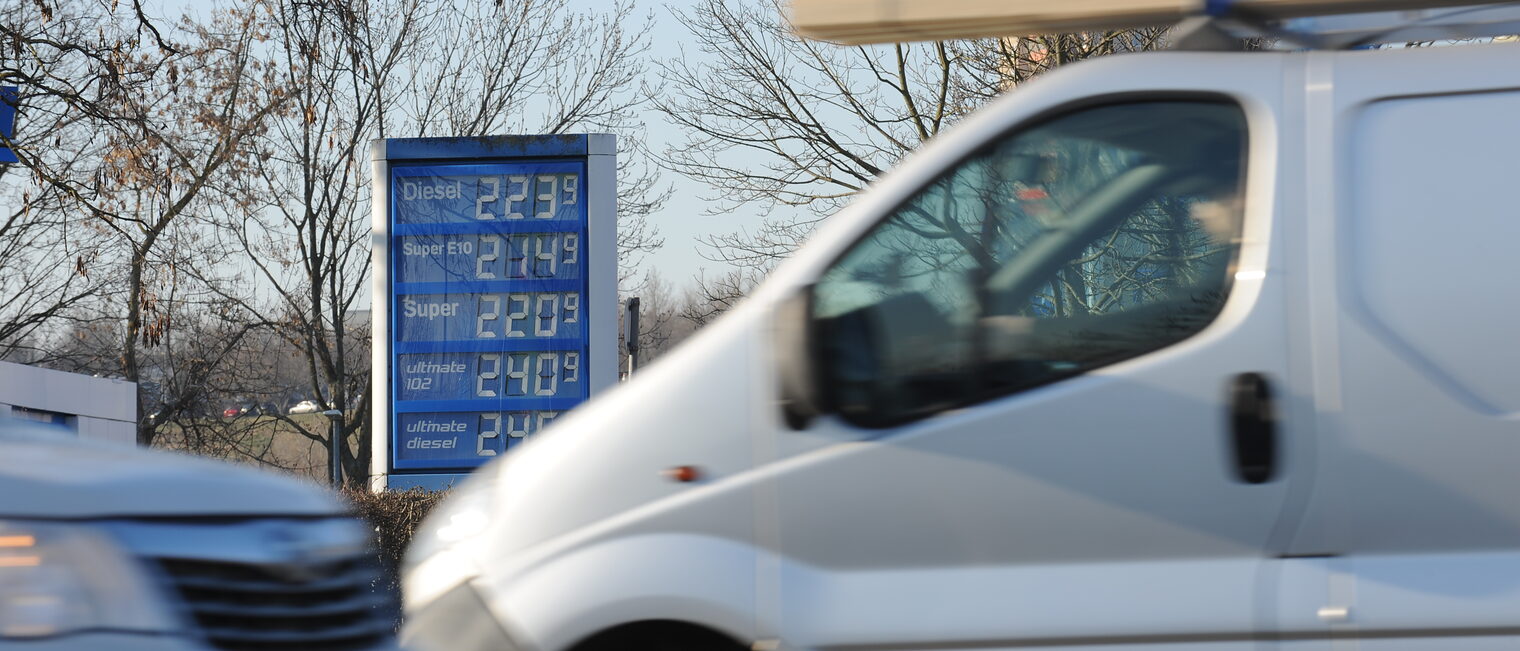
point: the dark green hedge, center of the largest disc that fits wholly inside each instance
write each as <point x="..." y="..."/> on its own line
<point x="394" y="517"/>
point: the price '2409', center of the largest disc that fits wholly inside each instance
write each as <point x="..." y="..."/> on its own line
<point x="526" y="374"/>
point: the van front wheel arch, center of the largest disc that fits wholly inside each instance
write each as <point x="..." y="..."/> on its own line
<point x="659" y="635"/>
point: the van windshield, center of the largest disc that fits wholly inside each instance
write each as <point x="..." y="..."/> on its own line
<point x="1090" y="238"/>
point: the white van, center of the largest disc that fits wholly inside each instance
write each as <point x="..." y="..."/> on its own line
<point x="106" y="547"/>
<point x="1178" y="350"/>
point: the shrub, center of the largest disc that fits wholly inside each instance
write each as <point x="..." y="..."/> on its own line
<point x="394" y="517"/>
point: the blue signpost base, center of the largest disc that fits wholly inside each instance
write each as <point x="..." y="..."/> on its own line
<point x="430" y="482"/>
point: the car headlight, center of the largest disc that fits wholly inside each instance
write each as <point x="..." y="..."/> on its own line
<point x="433" y="563"/>
<point x="60" y="578"/>
<point x="456" y="621"/>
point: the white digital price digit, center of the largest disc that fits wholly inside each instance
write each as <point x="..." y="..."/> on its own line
<point x="481" y="198"/>
<point x="572" y="367"/>
<point x="572" y="183"/>
<point x="517" y="424"/>
<point x="546" y="379"/>
<point x="546" y="315"/>
<point x="490" y="251"/>
<point x="517" y="257"/>
<point x="482" y="329"/>
<point x="572" y="248"/>
<point x="482" y="376"/>
<point x="544" y="418"/>
<point x="572" y="307"/>
<point x="517" y="371"/>
<point x="516" y="196"/>
<point x="547" y="257"/>
<point x="490" y="428"/>
<point x="550" y="196"/>
<point x="517" y="310"/>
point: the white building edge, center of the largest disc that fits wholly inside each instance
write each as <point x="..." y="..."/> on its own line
<point x="91" y="407"/>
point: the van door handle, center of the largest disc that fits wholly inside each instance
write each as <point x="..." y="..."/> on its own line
<point x="1253" y="428"/>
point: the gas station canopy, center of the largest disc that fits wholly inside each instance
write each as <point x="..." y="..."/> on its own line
<point x="886" y="21"/>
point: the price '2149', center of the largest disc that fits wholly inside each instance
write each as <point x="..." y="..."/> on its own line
<point x="532" y="255"/>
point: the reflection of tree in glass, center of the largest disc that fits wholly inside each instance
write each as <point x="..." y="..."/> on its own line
<point x="971" y="223"/>
<point x="1159" y="252"/>
<point x="1069" y="246"/>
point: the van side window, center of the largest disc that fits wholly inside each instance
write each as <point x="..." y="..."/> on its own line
<point x="1088" y="239"/>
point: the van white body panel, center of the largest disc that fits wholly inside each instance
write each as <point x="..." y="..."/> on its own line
<point x="1100" y="511"/>
<point x="1413" y="339"/>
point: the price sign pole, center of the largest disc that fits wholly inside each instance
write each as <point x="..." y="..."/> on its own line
<point x="495" y="307"/>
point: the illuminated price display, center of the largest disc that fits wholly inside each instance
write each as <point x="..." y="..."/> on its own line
<point x="489" y="256"/>
<point x="489" y="324"/>
<point x="493" y="315"/>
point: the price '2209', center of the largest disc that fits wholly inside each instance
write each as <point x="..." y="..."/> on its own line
<point x="523" y="315"/>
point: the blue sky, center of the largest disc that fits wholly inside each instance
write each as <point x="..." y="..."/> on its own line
<point x="683" y="221"/>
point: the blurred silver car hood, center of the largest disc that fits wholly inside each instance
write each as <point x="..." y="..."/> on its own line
<point x="47" y="475"/>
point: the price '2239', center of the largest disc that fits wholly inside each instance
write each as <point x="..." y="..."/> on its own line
<point x="512" y="197"/>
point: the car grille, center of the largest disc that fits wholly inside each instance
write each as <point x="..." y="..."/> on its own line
<point x="269" y="584"/>
<point x="327" y="606"/>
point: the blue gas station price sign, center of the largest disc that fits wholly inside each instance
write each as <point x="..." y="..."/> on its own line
<point x="490" y="267"/>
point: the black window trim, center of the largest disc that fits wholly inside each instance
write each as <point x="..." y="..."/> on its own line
<point x="821" y="383"/>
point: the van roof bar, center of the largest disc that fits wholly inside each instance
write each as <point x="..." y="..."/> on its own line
<point x="858" y="22"/>
<point x="1339" y="32"/>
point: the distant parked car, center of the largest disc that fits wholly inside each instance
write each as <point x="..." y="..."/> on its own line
<point x="231" y="412"/>
<point x="306" y="407"/>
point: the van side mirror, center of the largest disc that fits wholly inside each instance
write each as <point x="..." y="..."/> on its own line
<point x="796" y="360"/>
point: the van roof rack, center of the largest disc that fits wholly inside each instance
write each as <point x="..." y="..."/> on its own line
<point x="1311" y="23"/>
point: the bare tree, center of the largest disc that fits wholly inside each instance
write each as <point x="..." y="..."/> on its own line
<point x="995" y="66"/>
<point x="362" y="70"/>
<point x="299" y="220"/>
<point x="662" y="321"/>
<point x="149" y="125"/>
<point x="537" y="67"/>
<point x="801" y="126"/>
<point x="710" y="297"/>
<point x="197" y="216"/>
<point x="49" y="264"/>
<point x="789" y="122"/>
<point x="66" y="63"/>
